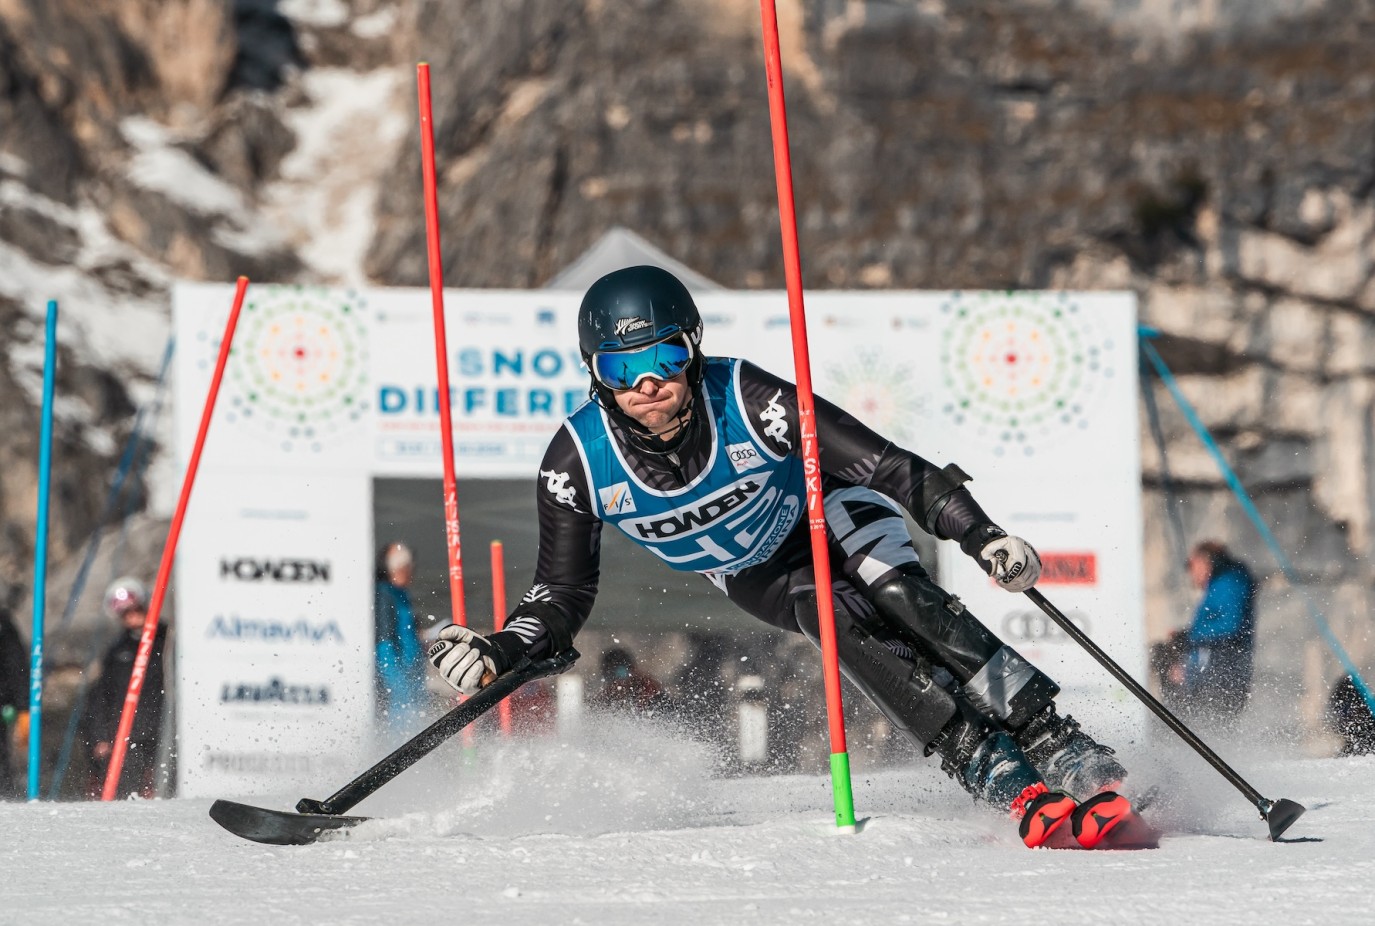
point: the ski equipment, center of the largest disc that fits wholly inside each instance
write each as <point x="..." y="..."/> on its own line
<point x="1279" y="815"/>
<point x="1042" y="812"/>
<point x="313" y="818"/>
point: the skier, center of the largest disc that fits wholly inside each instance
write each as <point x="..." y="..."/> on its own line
<point x="697" y="459"/>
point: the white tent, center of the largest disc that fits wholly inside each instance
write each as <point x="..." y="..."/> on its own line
<point x="621" y="247"/>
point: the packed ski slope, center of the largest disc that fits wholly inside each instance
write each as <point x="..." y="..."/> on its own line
<point x="623" y="826"/>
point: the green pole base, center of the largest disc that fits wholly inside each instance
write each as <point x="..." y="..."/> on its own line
<point x="844" y="795"/>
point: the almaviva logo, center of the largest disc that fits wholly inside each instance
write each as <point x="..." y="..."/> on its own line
<point x="253" y="630"/>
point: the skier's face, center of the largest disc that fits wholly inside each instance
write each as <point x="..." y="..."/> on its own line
<point x="655" y="403"/>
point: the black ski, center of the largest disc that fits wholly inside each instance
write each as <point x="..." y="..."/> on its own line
<point x="313" y="818"/>
<point x="277" y="827"/>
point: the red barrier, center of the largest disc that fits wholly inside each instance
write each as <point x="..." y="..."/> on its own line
<point x="806" y="407"/>
<point x="120" y="747"/>
<point x="446" y="425"/>
<point x="499" y="620"/>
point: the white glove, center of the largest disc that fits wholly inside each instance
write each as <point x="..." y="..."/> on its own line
<point x="1015" y="565"/>
<point x="468" y="661"/>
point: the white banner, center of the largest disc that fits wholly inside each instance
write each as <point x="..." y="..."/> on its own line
<point x="1033" y="394"/>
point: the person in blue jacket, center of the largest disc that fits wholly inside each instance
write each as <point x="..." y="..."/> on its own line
<point x="401" y="664"/>
<point x="1215" y="673"/>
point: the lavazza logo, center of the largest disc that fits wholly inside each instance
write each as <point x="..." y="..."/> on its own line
<point x="267" y="569"/>
<point x="273" y="691"/>
<point x="253" y="630"/>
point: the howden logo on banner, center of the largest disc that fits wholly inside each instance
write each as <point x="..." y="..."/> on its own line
<point x="251" y="569"/>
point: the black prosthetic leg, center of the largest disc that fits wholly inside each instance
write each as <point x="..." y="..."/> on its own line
<point x="992" y="674"/>
<point x="973" y="749"/>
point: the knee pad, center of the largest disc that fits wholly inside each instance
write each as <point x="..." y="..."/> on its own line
<point x="993" y="675"/>
<point x="904" y="690"/>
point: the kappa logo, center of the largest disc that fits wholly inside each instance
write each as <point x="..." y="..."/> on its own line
<point x="744" y="457"/>
<point x="625" y="326"/>
<point x="557" y="484"/>
<point x="617" y="499"/>
<point x="775" y="422"/>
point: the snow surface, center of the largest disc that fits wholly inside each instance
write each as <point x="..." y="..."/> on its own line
<point x="622" y="826"/>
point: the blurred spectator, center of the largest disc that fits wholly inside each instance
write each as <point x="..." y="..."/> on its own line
<point x="14" y="700"/>
<point x="126" y="601"/>
<point x="400" y="658"/>
<point x="704" y="706"/>
<point x="1348" y="716"/>
<point x="626" y="687"/>
<point x="1207" y="671"/>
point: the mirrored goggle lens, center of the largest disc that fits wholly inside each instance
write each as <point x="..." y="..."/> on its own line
<point x="624" y="369"/>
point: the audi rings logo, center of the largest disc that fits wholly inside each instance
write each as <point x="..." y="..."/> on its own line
<point x="1033" y="626"/>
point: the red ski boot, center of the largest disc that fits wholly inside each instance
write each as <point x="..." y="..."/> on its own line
<point x="1107" y="821"/>
<point x="1041" y="812"/>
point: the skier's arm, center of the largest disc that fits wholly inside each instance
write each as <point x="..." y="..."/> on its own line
<point x="850" y="451"/>
<point x="566" y="572"/>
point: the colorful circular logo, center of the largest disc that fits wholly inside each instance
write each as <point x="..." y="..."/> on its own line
<point x="1019" y="367"/>
<point x="298" y="368"/>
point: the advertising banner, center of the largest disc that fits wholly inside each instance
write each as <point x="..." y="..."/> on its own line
<point x="1032" y="394"/>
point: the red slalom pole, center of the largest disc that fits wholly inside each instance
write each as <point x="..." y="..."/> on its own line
<point x="441" y="350"/>
<point x="120" y="747"/>
<point x="499" y="620"/>
<point x="806" y="414"/>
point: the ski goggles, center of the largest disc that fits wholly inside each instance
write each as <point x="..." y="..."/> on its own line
<point x="625" y="369"/>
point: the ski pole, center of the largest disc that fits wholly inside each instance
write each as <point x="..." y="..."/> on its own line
<point x="424" y="742"/>
<point x="1278" y="814"/>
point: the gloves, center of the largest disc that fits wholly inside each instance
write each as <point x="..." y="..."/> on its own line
<point x="1012" y="563"/>
<point x="468" y="661"/>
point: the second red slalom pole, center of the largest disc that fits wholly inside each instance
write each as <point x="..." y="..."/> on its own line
<point x="806" y="414"/>
<point x="441" y="349"/>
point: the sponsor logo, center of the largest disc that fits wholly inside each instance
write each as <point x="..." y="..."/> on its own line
<point x="775" y="422"/>
<point x="273" y="691"/>
<point x="777" y="321"/>
<point x="683" y="521"/>
<point x="545" y="317"/>
<point x="625" y="326"/>
<point x="250" y="569"/>
<point x="744" y="457"/>
<point x="557" y="484"/>
<point x="253" y="630"/>
<point x="538" y="592"/>
<point x="247" y="763"/>
<point x="1069" y="569"/>
<point x="1033" y="626"/>
<point x="617" y="499"/>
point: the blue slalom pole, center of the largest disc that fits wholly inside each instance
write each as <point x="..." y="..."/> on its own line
<point x="40" y="558"/>
<point x="1233" y="483"/>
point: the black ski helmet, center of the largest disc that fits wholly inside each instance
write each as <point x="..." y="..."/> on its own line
<point x="634" y="307"/>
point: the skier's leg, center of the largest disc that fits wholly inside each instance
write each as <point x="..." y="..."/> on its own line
<point x="871" y="542"/>
<point x="904" y="686"/>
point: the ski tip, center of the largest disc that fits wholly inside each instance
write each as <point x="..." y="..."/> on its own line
<point x="1281" y="815"/>
<point x="276" y="827"/>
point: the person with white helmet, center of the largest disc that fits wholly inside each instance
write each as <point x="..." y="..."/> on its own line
<point x="697" y="459"/>
<point x="126" y="602"/>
